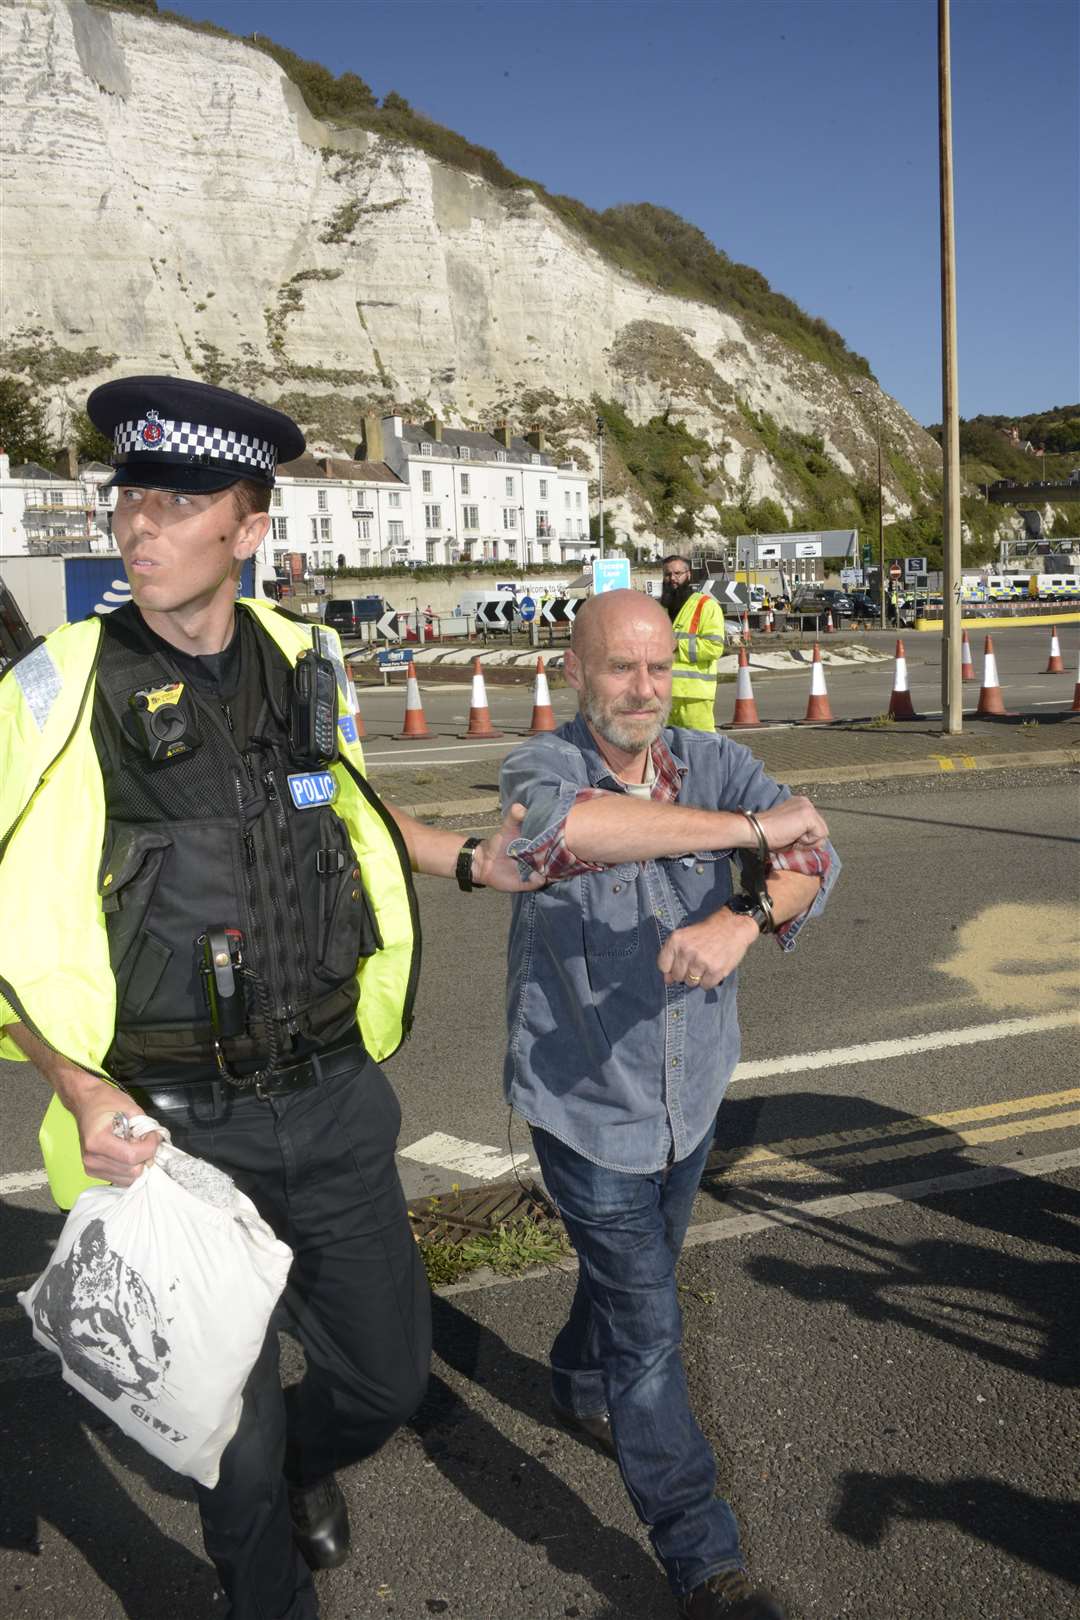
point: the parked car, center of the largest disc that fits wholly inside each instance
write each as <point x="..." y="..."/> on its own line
<point x="821" y="600"/>
<point x="346" y="614"/>
<point x="864" y="608"/>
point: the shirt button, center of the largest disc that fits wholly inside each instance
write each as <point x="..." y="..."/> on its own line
<point x="616" y="888"/>
<point x="699" y="870"/>
<point x="676" y="1012"/>
<point x="675" y="1063"/>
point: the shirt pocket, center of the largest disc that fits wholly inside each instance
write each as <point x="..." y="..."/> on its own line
<point x="128" y="878"/>
<point x="611" y="912"/>
<point x="347" y="926"/>
<point x="700" y="883"/>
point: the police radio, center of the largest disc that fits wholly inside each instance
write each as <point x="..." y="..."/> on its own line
<point x="222" y="958"/>
<point x="165" y="721"/>
<point x="313" y="707"/>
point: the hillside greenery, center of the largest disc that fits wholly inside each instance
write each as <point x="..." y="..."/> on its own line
<point x="653" y="244"/>
<point x="985" y="438"/>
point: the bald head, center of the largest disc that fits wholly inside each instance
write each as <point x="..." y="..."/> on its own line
<point x="613" y="615"/>
<point x="619" y="663"/>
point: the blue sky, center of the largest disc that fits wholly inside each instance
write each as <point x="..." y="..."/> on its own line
<point x="800" y="135"/>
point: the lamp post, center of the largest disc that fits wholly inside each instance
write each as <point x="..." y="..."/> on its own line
<point x="880" y="509"/>
<point x="524" y="542"/>
<point x="600" y="475"/>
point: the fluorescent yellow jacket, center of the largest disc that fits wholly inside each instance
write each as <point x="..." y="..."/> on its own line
<point x="55" y="974"/>
<point x="699" y="644"/>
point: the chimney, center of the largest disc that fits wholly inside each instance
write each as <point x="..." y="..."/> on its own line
<point x="433" y="429"/>
<point x="502" y="432"/>
<point x="69" y="462"/>
<point x="538" y="439"/>
<point x="372" y="447"/>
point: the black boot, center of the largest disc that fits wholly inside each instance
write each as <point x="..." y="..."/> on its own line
<point x="729" y="1596"/>
<point x="320" y="1521"/>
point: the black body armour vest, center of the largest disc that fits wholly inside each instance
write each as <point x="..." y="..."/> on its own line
<point x="214" y="838"/>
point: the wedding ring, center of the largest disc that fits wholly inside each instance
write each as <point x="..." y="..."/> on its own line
<point x="693" y="978"/>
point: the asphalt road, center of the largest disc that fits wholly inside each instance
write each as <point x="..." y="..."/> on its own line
<point x="880" y="1288"/>
<point x="856" y="691"/>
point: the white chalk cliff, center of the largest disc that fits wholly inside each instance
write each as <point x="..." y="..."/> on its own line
<point x="170" y="204"/>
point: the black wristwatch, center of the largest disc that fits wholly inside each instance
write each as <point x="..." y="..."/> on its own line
<point x="463" y="869"/>
<point x="744" y="905"/>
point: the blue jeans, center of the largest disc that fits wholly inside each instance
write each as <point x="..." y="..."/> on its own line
<point x="620" y="1349"/>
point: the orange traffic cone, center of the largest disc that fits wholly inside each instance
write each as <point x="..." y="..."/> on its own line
<point x="900" y="706"/>
<point x="746" y="629"/>
<point x="768" y="621"/>
<point x="415" y="724"/>
<point x="990" y="699"/>
<point x="479" y="715"/>
<point x="1055" y="666"/>
<point x="829" y="627"/>
<point x="745" y="708"/>
<point x="818" y="711"/>
<point x="1076" y="693"/>
<point x="543" y="715"/>
<point x="967" y="668"/>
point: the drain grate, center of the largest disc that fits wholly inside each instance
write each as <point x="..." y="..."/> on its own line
<point x="452" y="1217"/>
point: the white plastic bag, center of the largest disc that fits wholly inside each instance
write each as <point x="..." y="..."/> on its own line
<point x="157" y="1300"/>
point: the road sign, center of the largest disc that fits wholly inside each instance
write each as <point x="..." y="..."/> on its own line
<point x="730" y="593"/>
<point x="914" y="565"/>
<point x="894" y="570"/>
<point x="497" y="615"/>
<point x="611" y="574"/>
<point x="387" y="626"/>
<point x="865" y="555"/>
<point x="394" y="657"/>
<point x="559" y="610"/>
<point x="527" y="609"/>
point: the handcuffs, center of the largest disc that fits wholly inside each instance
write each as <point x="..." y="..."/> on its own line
<point x="755" y="900"/>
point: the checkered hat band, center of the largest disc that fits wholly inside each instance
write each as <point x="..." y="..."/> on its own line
<point x="193" y="441"/>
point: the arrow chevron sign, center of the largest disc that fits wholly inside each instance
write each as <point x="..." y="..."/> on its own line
<point x="387" y="626"/>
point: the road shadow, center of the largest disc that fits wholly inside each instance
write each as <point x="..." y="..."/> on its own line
<point x="1033" y="1327"/>
<point x="1037" y="1530"/>
<point x="55" y="1472"/>
<point x="511" y="1485"/>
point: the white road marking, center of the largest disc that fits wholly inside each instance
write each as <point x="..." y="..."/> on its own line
<point x="22" y="1181"/>
<point x="474" y="1159"/>
<point x="936" y="1040"/>
<point x="447" y="748"/>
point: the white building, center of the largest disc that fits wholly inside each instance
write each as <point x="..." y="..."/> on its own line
<point x="481" y="497"/>
<point x="43" y="511"/>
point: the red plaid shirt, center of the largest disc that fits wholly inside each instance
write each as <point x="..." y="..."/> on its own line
<point x="554" y="859"/>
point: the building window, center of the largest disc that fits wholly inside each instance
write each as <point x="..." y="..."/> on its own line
<point x="323" y="500"/>
<point x="365" y="559"/>
<point x="465" y="483"/>
<point x="569" y="528"/>
<point x="580" y="529"/>
<point x="433" y="516"/>
<point x="425" y="482"/>
<point x="395" y="531"/>
<point x="328" y="559"/>
<point x="425" y="448"/>
<point x="535" y="459"/>
<point x="566" y="499"/>
<point x="394" y="498"/>
<point x="509" y="517"/>
<point x="545" y="553"/>
<point x="470" y="517"/>
<point x="320" y="528"/>
<point x="281" y="559"/>
<point x="464" y="452"/>
<point x="275" y="496"/>
<point x="363" y="528"/>
<point x="500" y="455"/>
<point x="509" y="489"/>
<point x="577" y="499"/>
<point x="432" y="549"/>
<point x="279" y="528"/>
<point x="543" y="489"/>
<point x="54" y="497"/>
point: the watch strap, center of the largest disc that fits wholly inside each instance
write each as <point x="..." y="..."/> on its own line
<point x="463" y="869"/>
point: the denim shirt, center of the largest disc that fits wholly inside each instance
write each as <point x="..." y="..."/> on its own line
<point x="626" y="1070"/>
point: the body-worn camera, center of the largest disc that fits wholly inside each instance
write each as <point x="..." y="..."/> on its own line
<point x="164" y="718"/>
<point x="313" y="709"/>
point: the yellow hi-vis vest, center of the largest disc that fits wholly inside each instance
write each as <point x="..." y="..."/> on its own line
<point x="699" y="645"/>
<point x="55" y="974"/>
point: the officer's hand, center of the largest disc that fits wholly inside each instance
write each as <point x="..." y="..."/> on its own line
<point x="795" y="824"/>
<point x="494" y="867"/>
<point x="703" y="954"/>
<point x="104" y="1153"/>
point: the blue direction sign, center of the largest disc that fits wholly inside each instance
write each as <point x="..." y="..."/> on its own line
<point x="610" y="574"/>
<point x="527" y="609"/>
<point x="394" y="657"/>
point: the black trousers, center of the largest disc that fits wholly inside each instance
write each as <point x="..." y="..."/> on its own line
<point x="319" y="1166"/>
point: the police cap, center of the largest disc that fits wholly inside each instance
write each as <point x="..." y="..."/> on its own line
<point x="175" y="433"/>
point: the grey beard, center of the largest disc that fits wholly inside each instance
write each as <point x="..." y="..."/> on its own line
<point x="609" y="728"/>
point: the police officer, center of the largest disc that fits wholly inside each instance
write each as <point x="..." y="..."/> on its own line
<point x="698" y="622"/>
<point x="210" y="918"/>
